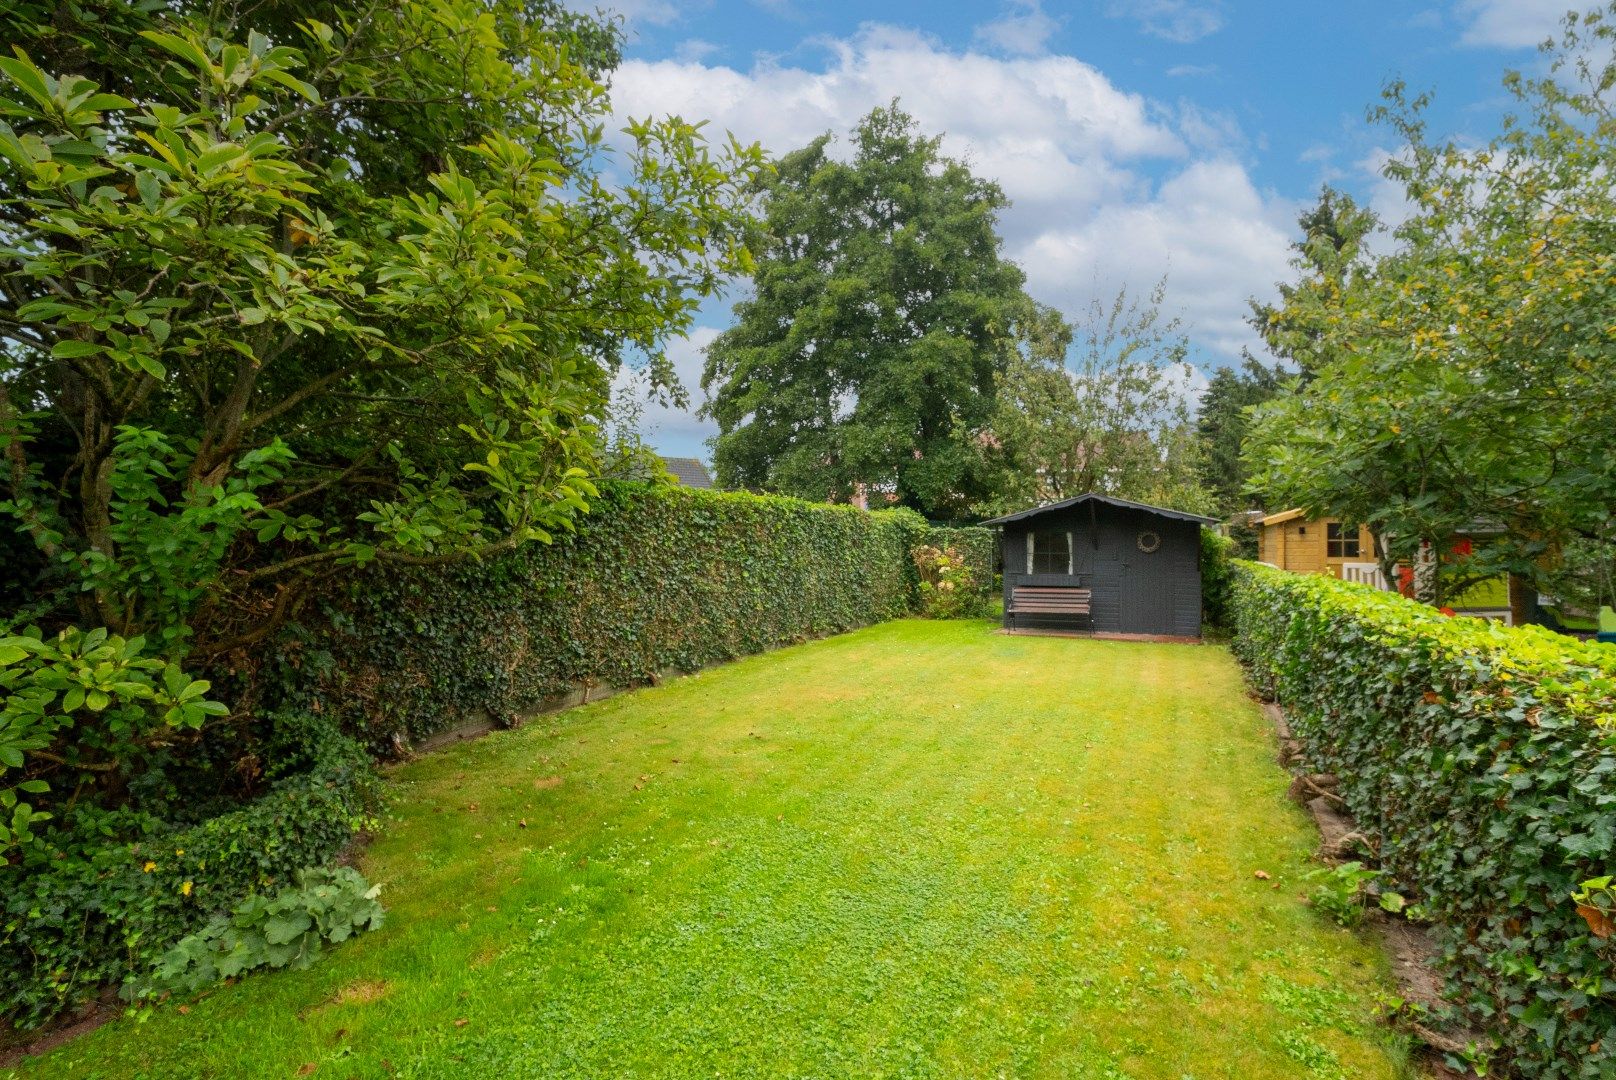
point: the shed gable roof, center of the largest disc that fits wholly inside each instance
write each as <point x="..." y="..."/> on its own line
<point x="688" y="471"/>
<point x="1064" y="504"/>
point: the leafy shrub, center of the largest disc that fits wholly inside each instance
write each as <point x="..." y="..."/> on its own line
<point x="1217" y="576"/>
<point x="655" y="579"/>
<point x="1340" y="891"/>
<point x="88" y="702"/>
<point x="284" y="930"/>
<point x="978" y="547"/>
<point x="1482" y="758"/>
<point x="949" y="588"/>
<point x="101" y="909"/>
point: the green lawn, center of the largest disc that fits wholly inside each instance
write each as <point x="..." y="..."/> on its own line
<point x="921" y="849"/>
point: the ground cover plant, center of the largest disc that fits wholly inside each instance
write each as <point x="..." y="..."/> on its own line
<point x="1478" y="758"/>
<point x="919" y="849"/>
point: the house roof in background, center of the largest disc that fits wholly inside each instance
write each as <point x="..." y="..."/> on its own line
<point x="1279" y="518"/>
<point x="689" y="471"/>
<point x="1064" y="504"/>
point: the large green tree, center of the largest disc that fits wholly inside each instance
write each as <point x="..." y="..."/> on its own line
<point x="882" y="312"/>
<point x="1328" y="253"/>
<point x="1467" y="372"/>
<point x="293" y="286"/>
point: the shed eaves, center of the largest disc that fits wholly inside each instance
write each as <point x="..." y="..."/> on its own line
<point x="1178" y="515"/>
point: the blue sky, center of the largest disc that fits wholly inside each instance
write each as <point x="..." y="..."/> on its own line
<point x="1176" y="137"/>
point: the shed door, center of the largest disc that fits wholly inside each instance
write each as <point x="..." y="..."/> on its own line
<point x="1144" y="590"/>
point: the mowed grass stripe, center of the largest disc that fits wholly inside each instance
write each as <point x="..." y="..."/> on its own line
<point x="922" y="849"/>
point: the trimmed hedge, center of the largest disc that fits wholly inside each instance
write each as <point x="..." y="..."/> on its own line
<point x="105" y="912"/>
<point x="655" y="580"/>
<point x="1482" y="759"/>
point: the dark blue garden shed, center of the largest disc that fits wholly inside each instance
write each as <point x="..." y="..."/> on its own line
<point x="1105" y="566"/>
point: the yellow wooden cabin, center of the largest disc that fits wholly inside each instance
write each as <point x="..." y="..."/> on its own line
<point x="1303" y="545"/>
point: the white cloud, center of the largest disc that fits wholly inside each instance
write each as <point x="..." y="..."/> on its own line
<point x="1181" y="21"/>
<point x="1108" y="187"/>
<point x="1052" y="130"/>
<point x="1209" y="129"/>
<point x="1023" y="30"/>
<point x="1511" y="24"/>
<point x="1190" y="71"/>
<point x="695" y="50"/>
<point x="1217" y="238"/>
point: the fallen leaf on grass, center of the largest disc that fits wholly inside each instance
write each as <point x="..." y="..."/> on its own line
<point x="544" y="783"/>
<point x="462" y="1022"/>
<point x="183" y="1009"/>
<point x="306" y="1068"/>
<point x="1261" y="875"/>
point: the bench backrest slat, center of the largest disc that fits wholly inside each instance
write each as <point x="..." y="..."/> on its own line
<point x="1050" y="599"/>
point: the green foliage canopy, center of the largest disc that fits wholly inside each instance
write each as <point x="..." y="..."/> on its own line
<point x="883" y="310"/>
<point x="349" y="278"/>
<point x="297" y="286"/>
<point x="1222" y="422"/>
<point x="1465" y="376"/>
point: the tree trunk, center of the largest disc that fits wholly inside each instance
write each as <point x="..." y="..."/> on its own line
<point x="1387" y="564"/>
<point x="1425" y="574"/>
<point x="1522" y="601"/>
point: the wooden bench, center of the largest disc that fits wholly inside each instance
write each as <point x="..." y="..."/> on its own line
<point x="1048" y="600"/>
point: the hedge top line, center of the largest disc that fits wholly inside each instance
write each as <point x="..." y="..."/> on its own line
<point x="1581" y="675"/>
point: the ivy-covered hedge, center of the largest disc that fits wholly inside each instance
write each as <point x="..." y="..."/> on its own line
<point x="1482" y="759"/>
<point x="103" y="911"/>
<point x="655" y="580"/>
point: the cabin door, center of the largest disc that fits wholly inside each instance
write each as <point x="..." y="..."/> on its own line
<point x="1144" y="592"/>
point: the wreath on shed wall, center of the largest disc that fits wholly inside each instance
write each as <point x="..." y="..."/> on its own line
<point x="1148" y="541"/>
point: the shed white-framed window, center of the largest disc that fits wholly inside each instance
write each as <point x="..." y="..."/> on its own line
<point x="1049" y="552"/>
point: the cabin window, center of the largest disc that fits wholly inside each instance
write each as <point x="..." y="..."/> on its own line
<point x="1049" y="552"/>
<point x="1341" y="541"/>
